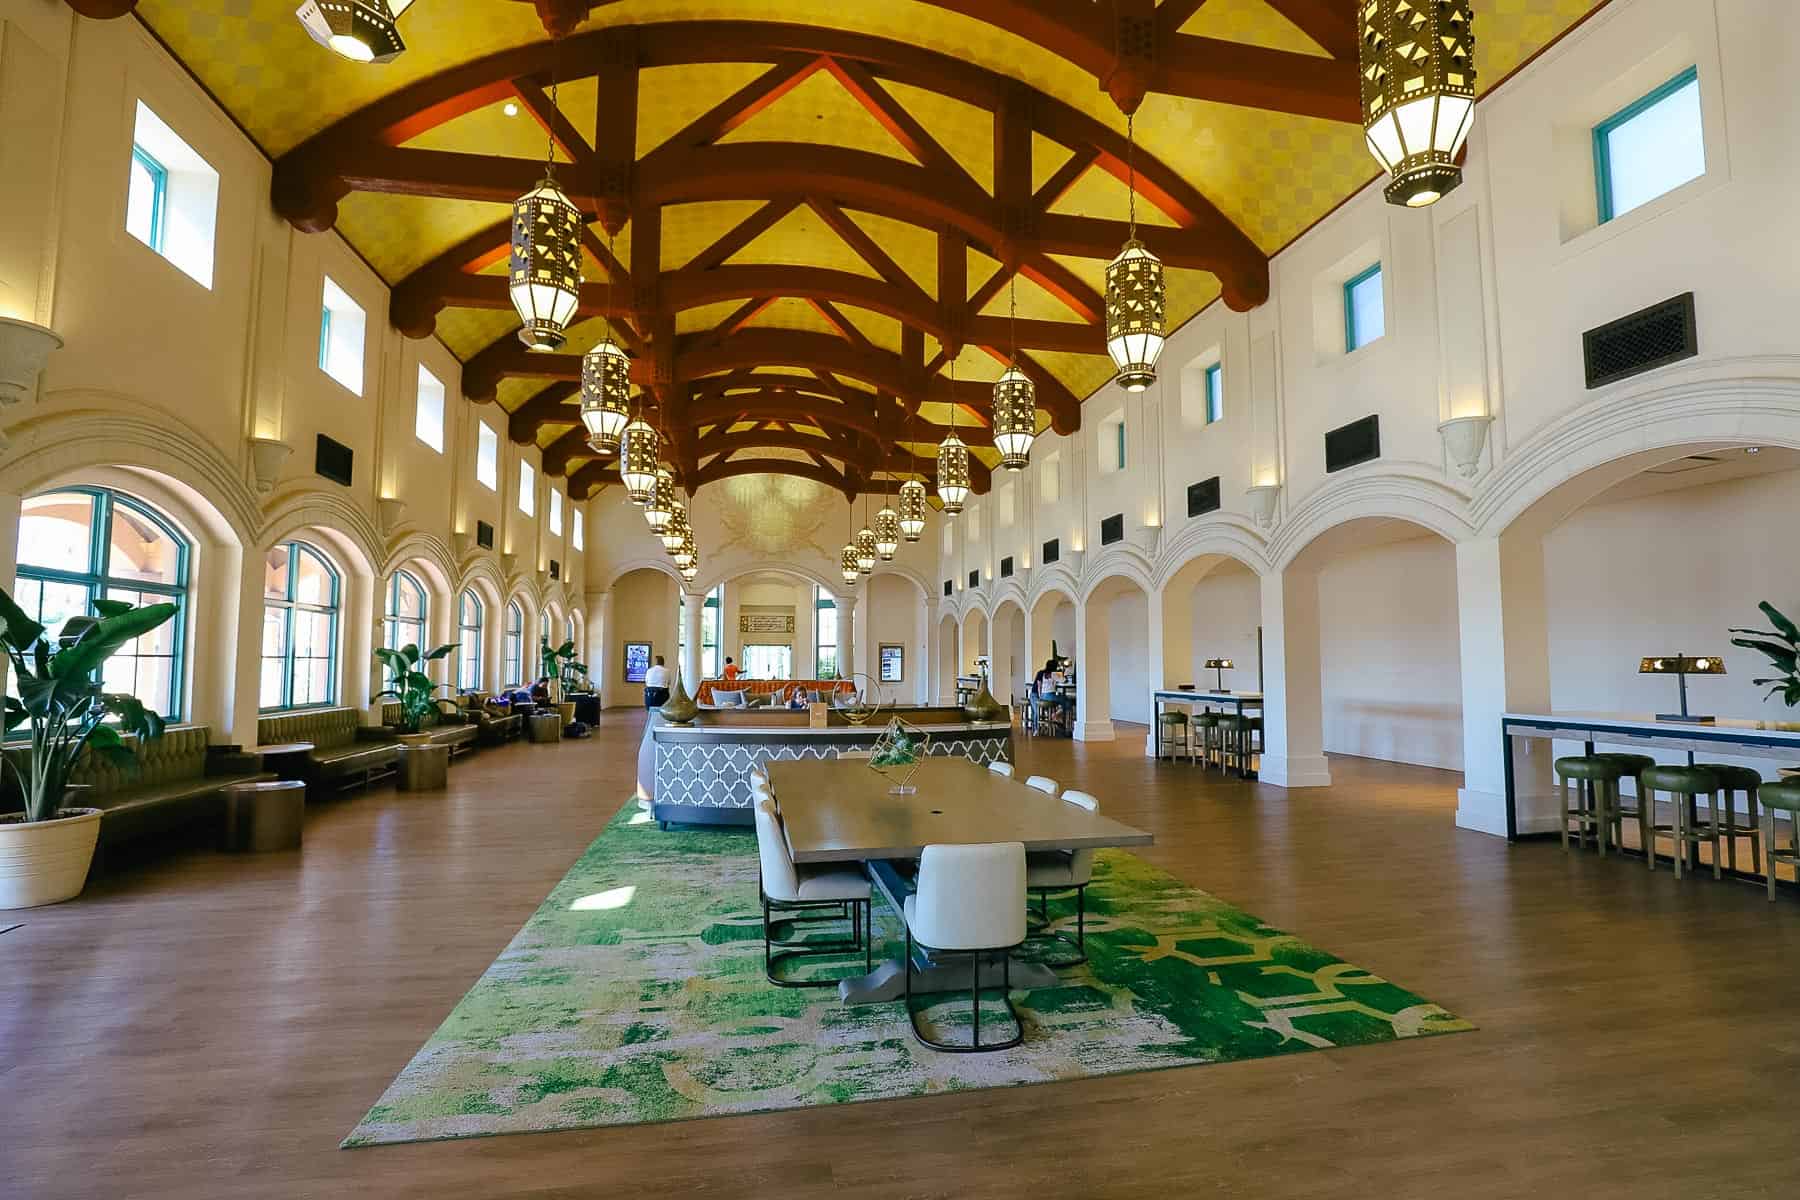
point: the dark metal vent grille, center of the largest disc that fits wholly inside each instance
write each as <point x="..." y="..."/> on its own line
<point x="974" y="579"/>
<point x="555" y="569"/>
<point x="1203" y="497"/>
<point x="484" y="535"/>
<point x="1112" y="529"/>
<point x="1647" y="339"/>
<point x="1006" y="567"/>
<point x="1052" y="550"/>
<point x="948" y="590"/>
<point x="1357" y="442"/>
<point x="334" y="460"/>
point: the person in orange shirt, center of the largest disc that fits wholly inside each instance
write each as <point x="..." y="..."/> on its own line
<point x="731" y="671"/>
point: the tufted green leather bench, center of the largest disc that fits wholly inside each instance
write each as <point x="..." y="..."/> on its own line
<point x="167" y="788"/>
<point x="453" y="729"/>
<point x="344" y="754"/>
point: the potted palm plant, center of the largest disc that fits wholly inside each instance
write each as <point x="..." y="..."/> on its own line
<point x="422" y="766"/>
<point x="1782" y="648"/>
<point x="46" y="850"/>
<point x="562" y="670"/>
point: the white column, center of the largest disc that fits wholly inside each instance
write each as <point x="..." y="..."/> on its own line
<point x="690" y="624"/>
<point x="600" y="638"/>
<point x="236" y="684"/>
<point x="359" y="622"/>
<point x="1093" y="673"/>
<point x="846" y="609"/>
<point x="865" y="619"/>
<point x="1293" y="725"/>
<point x="1155" y="663"/>
<point x="1502" y="618"/>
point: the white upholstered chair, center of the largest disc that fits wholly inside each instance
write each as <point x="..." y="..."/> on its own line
<point x="1001" y="768"/>
<point x="1043" y="783"/>
<point x="789" y="888"/>
<point x="1060" y="871"/>
<point x="969" y="900"/>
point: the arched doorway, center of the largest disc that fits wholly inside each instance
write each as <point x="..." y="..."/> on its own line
<point x="1011" y="668"/>
<point x="1112" y="659"/>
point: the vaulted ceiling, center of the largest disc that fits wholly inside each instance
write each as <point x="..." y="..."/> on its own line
<point x="805" y="214"/>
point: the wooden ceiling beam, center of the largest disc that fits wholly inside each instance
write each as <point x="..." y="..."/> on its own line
<point x="556" y="124"/>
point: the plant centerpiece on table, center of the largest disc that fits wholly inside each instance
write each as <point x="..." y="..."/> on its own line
<point x="897" y="755"/>
<point x="413" y="688"/>
<point x="1783" y="650"/>
<point x="47" y="849"/>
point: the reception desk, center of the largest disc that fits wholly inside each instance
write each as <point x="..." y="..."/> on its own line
<point x="699" y="774"/>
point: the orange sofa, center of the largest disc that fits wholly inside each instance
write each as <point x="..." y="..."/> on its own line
<point x="764" y="687"/>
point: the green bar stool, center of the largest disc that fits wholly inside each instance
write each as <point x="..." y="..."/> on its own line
<point x="1172" y="733"/>
<point x="1783" y="796"/>
<point x="1205" y="724"/>
<point x="1589" y="804"/>
<point x="1632" y="807"/>
<point x="1232" y="730"/>
<point x="1687" y="785"/>
<point x="1747" y="780"/>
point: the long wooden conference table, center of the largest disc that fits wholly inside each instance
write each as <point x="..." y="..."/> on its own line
<point x="843" y="812"/>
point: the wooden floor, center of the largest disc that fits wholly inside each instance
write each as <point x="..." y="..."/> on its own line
<point x="211" y="1025"/>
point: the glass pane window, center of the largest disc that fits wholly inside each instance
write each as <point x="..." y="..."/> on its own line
<point x="83" y="544"/>
<point x="1365" y="313"/>
<point x="341" y="328"/>
<point x="146" y="199"/>
<point x="404" y="623"/>
<point x="527" y="489"/>
<point x="1650" y="147"/>
<point x="299" y="642"/>
<point x="769" y="662"/>
<point x="710" y="615"/>
<point x="428" y="420"/>
<point x="487" y="457"/>
<point x="513" y="647"/>
<point x="468" y="647"/>
<point x="1215" y="393"/>
<point x="825" y="651"/>
<point x="171" y="197"/>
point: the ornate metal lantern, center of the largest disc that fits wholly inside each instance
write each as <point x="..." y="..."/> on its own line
<point x="687" y="554"/>
<point x="363" y="31"/>
<point x="638" y="454"/>
<point x="1015" y="418"/>
<point x="545" y="272"/>
<point x="865" y="550"/>
<point x="1418" y="93"/>
<point x="689" y="573"/>
<point x="605" y="395"/>
<point x="850" y="570"/>
<point x="912" y="510"/>
<point x="676" y="530"/>
<point x="953" y="473"/>
<point x="1135" y="302"/>
<point x="887" y="533"/>
<point x="662" y="500"/>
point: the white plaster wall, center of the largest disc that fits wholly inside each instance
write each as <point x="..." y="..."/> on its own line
<point x="1227" y="612"/>
<point x="1128" y="657"/>
<point x="643" y="610"/>
<point x="894" y="605"/>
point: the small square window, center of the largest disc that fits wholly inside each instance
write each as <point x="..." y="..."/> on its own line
<point x="1365" y="314"/>
<point x="1119" y="446"/>
<point x="171" y="197"/>
<point x="341" y="326"/>
<point x="428" y="423"/>
<point x="527" y="489"/>
<point x="1650" y="147"/>
<point x="577" y="531"/>
<point x="1215" y="393"/>
<point x="1111" y="439"/>
<point x="487" y="457"/>
<point x="556" y="512"/>
<point x="147" y="202"/>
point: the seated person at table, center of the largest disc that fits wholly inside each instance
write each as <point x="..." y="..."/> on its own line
<point x="797" y="700"/>
<point x="1044" y="683"/>
<point x="731" y="670"/>
<point x="656" y="685"/>
<point x="540" y="691"/>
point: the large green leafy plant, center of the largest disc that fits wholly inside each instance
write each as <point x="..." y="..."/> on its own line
<point x="57" y="692"/>
<point x="413" y="688"/>
<point x="1782" y="646"/>
<point x="560" y="665"/>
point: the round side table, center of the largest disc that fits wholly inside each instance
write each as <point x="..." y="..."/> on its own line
<point x="263" y="816"/>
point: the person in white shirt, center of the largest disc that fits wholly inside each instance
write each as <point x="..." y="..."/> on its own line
<point x="656" y="685"/>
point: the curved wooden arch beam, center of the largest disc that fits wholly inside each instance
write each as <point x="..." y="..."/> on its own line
<point x="360" y="151"/>
<point x="103" y="10"/>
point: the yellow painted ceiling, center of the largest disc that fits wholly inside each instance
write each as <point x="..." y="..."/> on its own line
<point x="1274" y="175"/>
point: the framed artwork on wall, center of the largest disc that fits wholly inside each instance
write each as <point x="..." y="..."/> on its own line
<point x="637" y="661"/>
<point x="893" y="663"/>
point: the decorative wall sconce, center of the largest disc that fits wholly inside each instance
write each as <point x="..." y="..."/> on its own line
<point x="1464" y="438"/>
<point x="464" y="541"/>
<point x="1262" y="503"/>
<point x="24" y="348"/>
<point x="390" y="512"/>
<point x="508" y="564"/>
<point x="267" y="457"/>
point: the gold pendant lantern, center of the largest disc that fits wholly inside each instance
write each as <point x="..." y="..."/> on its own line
<point x="363" y="31"/>
<point x="1418" y="93"/>
<point x="661" y="505"/>
<point x="1136" y="299"/>
<point x="912" y="510"/>
<point x="848" y="565"/>
<point x="605" y="395"/>
<point x="638" y="455"/>
<point x="672" y="534"/>
<point x="952" y="461"/>
<point x="545" y="271"/>
<point x="1015" y="404"/>
<point x="687" y="554"/>
<point x="887" y="533"/>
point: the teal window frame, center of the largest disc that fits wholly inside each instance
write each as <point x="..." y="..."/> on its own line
<point x="325" y="340"/>
<point x="512" y="647"/>
<point x="469" y="635"/>
<point x="1215" y="393"/>
<point x="392" y="620"/>
<point x="822" y="601"/>
<point x="1351" y="344"/>
<point x="159" y="193"/>
<point x="99" y="584"/>
<point x="1603" y="134"/>
<point x="709" y="639"/>
<point x="1119" y="448"/>
<point x="291" y="606"/>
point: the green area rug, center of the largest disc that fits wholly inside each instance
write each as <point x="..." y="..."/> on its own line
<point x="636" y="994"/>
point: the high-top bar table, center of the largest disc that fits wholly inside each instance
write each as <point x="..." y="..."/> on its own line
<point x="1236" y="701"/>
<point x="842" y="812"/>
<point x="1641" y="731"/>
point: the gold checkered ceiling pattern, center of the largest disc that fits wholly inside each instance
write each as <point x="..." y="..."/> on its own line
<point x="1269" y="173"/>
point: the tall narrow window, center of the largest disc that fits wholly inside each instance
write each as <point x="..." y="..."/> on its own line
<point x="825" y="652"/>
<point x="428" y="421"/>
<point x="468" y="642"/>
<point x="1215" y="393"/>
<point x="577" y="531"/>
<point x="1119" y="446"/>
<point x="527" y="489"/>
<point x="1652" y="146"/>
<point x="1365" y="314"/>
<point x="86" y="544"/>
<point x="774" y="661"/>
<point x="555" y="512"/>
<point x="341" y="328"/>
<point x="710" y="614"/>
<point x="404" y="622"/>
<point x="171" y="197"/>
<point x="299" y="645"/>
<point x="512" y="648"/>
<point x="487" y="457"/>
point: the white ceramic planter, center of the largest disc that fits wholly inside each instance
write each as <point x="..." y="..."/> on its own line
<point x="45" y="862"/>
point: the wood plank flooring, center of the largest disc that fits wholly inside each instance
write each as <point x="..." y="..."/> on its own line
<point x="211" y="1025"/>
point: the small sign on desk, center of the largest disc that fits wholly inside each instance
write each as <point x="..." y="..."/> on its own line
<point x="816" y="714"/>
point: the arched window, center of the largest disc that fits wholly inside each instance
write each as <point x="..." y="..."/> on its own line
<point x="468" y="650"/>
<point x="300" y="618"/>
<point x="513" y="650"/>
<point x="83" y="544"/>
<point x="405" y="620"/>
